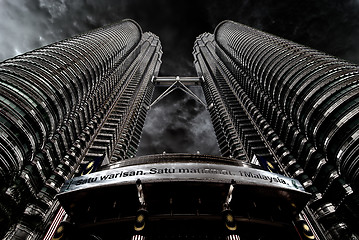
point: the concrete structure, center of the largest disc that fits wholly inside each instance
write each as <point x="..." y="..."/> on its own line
<point x="285" y="117"/>
<point x="73" y="102"/>
<point x="292" y="110"/>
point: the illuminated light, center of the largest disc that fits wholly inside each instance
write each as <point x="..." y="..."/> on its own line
<point x="309" y="237"/>
<point x="229" y="222"/>
<point x="140" y="223"/>
<point x="138" y="237"/>
<point x="140" y="228"/>
<point x="59" y="233"/>
<point x="60" y="229"/>
<point x="229" y="218"/>
<point x="231" y="228"/>
<point x="50" y="233"/>
<point x="307" y="233"/>
<point x="57" y="238"/>
<point x="233" y="237"/>
<point x="270" y="166"/>
<point x="88" y="169"/>
<point x="89" y="165"/>
<point x="305" y="227"/>
<point x="140" y="218"/>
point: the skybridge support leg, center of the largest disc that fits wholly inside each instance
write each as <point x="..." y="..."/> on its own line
<point x="185" y="89"/>
<point x="164" y="94"/>
<point x="176" y="82"/>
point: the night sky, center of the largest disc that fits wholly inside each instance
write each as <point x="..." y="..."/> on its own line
<point x="178" y="123"/>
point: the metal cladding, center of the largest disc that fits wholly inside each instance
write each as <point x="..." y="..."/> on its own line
<point x="68" y="103"/>
<point x="79" y="105"/>
<point x="290" y="109"/>
<point x="317" y="93"/>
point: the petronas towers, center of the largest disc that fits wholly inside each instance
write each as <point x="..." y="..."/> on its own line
<point x="78" y="106"/>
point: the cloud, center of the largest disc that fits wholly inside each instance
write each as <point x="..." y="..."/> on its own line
<point x="26" y="25"/>
<point x="178" y="124"/>
<point x="56" y="8"/>
<point x="330" y="26"/>
<point x="172" y="126"/>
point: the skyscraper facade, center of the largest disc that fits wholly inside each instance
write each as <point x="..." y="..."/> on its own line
<point x="73" y="102"/>
<point x="284" y="115"/>
<point x="290" y="109"/>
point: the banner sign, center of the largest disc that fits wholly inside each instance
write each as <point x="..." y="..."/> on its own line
<point x="181" y="172"/>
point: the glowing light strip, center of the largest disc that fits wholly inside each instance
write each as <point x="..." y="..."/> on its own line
<point x="138" y="237"/>
<point x="310" y="226"/>
<point x="59" y="216"/>
<point x="233" y="237"/>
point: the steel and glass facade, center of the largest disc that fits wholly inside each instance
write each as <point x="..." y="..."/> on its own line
<point x="71" y="120"/>
<point x="76" y="101"/>
<point x="290" y="109"/>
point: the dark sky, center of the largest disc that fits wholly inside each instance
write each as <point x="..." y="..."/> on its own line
<point x="178" y="123"/>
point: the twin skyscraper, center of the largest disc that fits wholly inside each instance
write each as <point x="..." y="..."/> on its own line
<point x="285" y="116"/>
